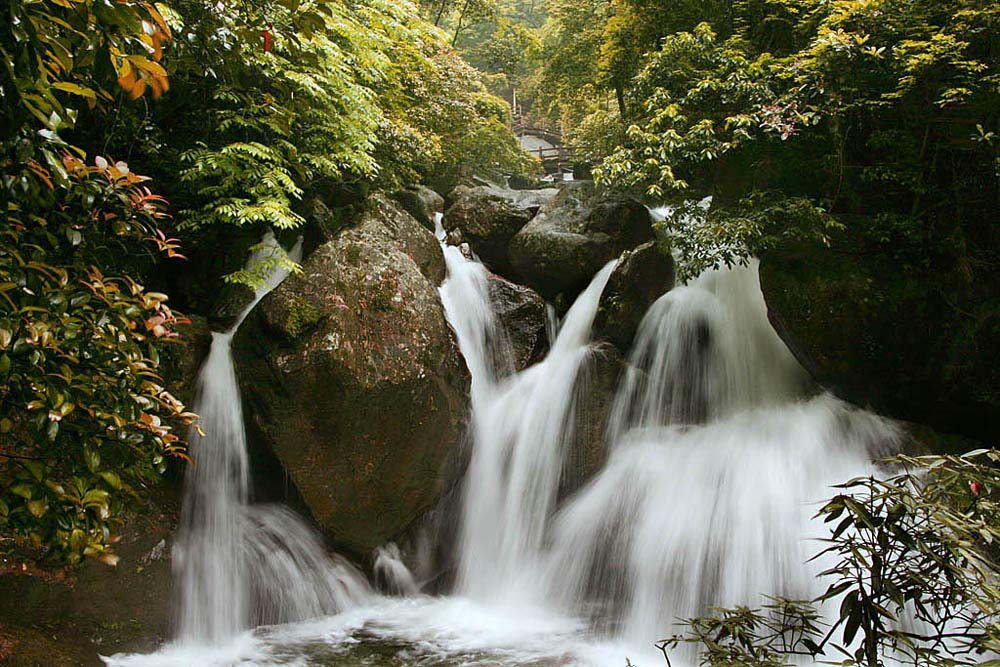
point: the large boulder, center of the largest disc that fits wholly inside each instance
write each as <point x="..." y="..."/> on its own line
<point x="421" y="202"/>
<point x="521" y="314"/>
<point x="576" y="233"/>
<point x="488" y="217"/>
<point x="353" y="378"/>
<point x="642" y="276"/>
<point x="880" y="334"/>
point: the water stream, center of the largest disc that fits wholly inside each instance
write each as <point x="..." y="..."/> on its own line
<point x="717" y="452"/>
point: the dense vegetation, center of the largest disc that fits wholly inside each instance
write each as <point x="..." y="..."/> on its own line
<point x="239" y="112"/>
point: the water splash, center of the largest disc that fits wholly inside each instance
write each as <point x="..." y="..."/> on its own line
<point x="391" y="574"/>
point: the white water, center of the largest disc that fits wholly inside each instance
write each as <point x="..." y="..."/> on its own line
<point x="717" y="458"/>
<point x="236" y="564"/>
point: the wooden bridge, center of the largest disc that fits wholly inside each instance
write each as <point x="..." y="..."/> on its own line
<point x="547" y="146"/>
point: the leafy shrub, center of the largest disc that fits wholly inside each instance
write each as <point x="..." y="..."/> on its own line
<point x="914" y="575"/>
<point x="84" y="417"/>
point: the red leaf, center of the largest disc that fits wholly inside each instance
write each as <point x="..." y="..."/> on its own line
<point x="268" y="40"/>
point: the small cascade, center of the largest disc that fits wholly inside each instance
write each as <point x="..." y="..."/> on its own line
<point x="718" y="457"/>
<point x="521" y="434"/>
<point x="391" y="574"/>
<point x="238" y="565"/>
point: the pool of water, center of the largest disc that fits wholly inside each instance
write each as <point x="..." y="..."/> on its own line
<point x="412" y="632"/>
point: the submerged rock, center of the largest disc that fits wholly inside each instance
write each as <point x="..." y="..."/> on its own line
<point x="879" y="335"/>
<point x="421" y="202"/>
<point x="353" y="378"/>
<point x="488" y="217"/>
<point x="642" y="276"/>
<point x="574" y="235"/>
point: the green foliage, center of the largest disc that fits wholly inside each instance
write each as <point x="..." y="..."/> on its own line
<point x="279" y="118"/>
<point x="84" y="417"/>
<point x="745" y="637"/>
<point x="707" y="237"/>
<point x="366" y="93"/>
<point x="58" y="55"/>
<point x="914" y="571"/>
<point x="883" y="114"/>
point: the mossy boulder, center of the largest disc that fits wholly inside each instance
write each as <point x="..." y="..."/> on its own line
<point x="574" y="234"/>
<point x="642" y="276"/>
<point x="918" y="346"/>
<point x="488" y="217"/>
<point x="354" y="380"/>
<point x="421" y="202"/>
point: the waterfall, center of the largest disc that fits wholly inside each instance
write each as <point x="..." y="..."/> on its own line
<point x="718" y="453"/>
<point x="521" y="427"/>
<point x="238" y="564"/>
<point x="718" y="456"/>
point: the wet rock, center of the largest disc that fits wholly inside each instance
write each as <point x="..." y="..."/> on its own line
<point x="488" y="217"/>
<point x="642" y="276"/>
<point x="233" y="300"/>
<point x="894" y="338"/>
<point x="595" y="396"/>
<point x="421" y="202"/>
<point x="418" y="243"/>
<point x="182" y="360"/>
<point x="354" y="380"/>
<point x="521" y="313"/>
<point x="574" y="235"/>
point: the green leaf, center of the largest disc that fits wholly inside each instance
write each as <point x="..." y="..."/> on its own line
<point x="37" y="507"/>
<point x="92" y="458"/>
<point x="23" y="490"/>
<point x="96" y="498"/>
<point x="75" y="89"/>
<point x="112" y="479"/>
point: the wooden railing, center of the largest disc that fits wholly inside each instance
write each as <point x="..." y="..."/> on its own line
<point x="554" y="154"/>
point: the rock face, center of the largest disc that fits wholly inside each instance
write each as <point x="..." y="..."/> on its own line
<point x="421" y="202"/>
<point x="589" y="452"/>
<point x="880" y="335"/>
<point x="574" y="235"/>
<point x="521" y="313"/>
<point x="353" y="378"/>
<point x="49" y="618"/>
<point x="488" y="217"/>
<point x="642" y="276"/>
<point x="182" y="360"/>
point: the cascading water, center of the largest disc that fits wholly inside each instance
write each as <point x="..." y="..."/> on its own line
<point x="237" y="564"/>
<point x="716" y="455"/>
<point x="521" y="434"/>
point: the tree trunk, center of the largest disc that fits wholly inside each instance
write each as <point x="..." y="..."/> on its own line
<point x="461" y="20"/>
<point x="620" y="96"/>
